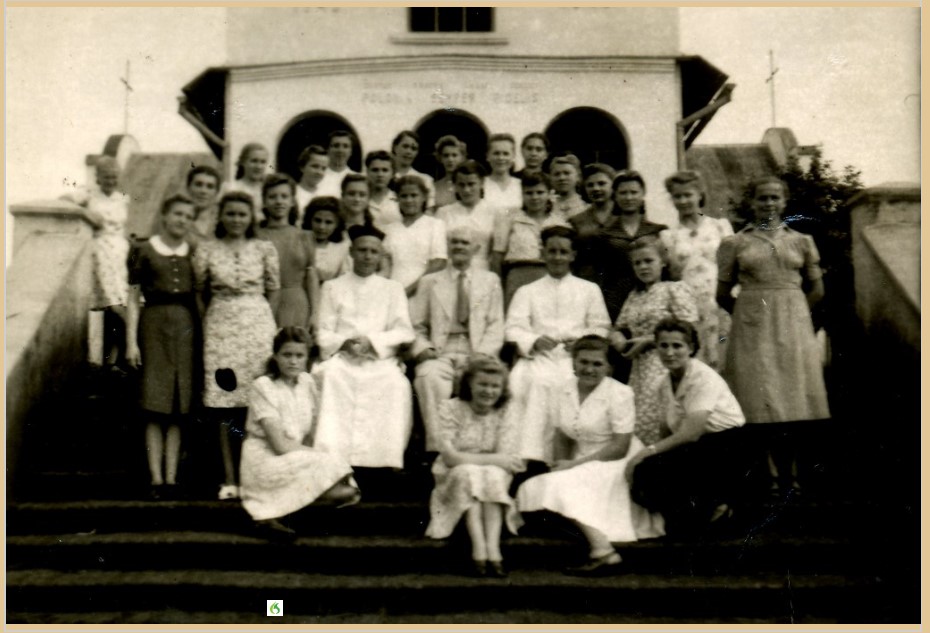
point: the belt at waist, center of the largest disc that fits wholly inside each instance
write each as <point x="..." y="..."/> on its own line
<point x="185" y="299"/>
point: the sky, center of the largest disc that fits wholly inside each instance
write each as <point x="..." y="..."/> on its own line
<point x="847" y="78"/>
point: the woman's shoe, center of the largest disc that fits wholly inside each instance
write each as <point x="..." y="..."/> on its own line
<point x="274" y="530"/>
<point x="228" y="491"/>
<point x="156" y="492"/>
<point x="495" y="569"/>
<point x="601" y="566"/>
<point x="479" y="568"/>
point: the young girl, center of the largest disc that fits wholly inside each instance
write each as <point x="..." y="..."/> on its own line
<point x="250" y="175"/>
<point x="406" y="148"/>
<point x="280" y="471"/>
<point x="477" y="460"/>
<point x="107" y="210"/>
<point x="450" y="153"/>
<point x="236" y="279"/>
<point x="300" y="286"/>
<point x="203" y="185"/>
<point x="355" y="198"/>
<point x="651" y="301"/>
<point x="501" y="190"/>
<point x="517" y="253"/>
<point x="471" y="210"/>
<point x="535" y="151"/>
<point x="164" y="337"/>
<point x="312" y="163"/>
<point x="329" y="233"/>
<point x="692" y="253"/>
<point x="416" y="245"/>
<point x="565" y="174"/>
<point x="382" y="202"/>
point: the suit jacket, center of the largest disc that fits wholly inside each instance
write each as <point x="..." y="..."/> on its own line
<point x="432" y="309"/>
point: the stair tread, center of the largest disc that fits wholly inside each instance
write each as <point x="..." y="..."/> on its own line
<point x="517" y="578"/>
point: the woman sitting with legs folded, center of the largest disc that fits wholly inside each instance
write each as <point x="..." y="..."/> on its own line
<point x="699" y="456"/>
<point x="595" y="415"/>
<point x="280" y="471"/>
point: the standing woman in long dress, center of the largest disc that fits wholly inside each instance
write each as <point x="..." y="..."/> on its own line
<point x="692" y="258"/>
<point x="161" y="338"/>
<point x="773" y="362"/>
<point x="594" y="415"/>
<point x="651" y="301"/>
<point x="300" y="287"/>
<point x="237" y="281"/>
<point x="281" y="471"/>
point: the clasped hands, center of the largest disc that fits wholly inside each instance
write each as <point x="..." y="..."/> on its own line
<point x="358" y="348"/>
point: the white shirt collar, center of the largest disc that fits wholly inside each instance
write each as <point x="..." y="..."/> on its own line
<point x="166" y="251"/>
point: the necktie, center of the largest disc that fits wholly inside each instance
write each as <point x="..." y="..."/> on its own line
<point x="461" y="301"/>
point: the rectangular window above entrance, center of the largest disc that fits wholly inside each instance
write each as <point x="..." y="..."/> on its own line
<point x="451" y="19"/>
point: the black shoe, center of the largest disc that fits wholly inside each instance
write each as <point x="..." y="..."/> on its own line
<point x="156" y="492"/>
<point x="496" y="569"/>
<point x="479" y="568"/>
<point x="274" y="530"/>
<point x="606" y="565"/>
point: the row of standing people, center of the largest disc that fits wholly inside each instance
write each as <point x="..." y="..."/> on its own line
<point x="794" y="261"/>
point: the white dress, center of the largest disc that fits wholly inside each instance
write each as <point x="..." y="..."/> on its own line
<point x="596" y="493"/>
<point x="461" y="487"/>
<point x="274" y="485"/>
<point x="366" y="404"/>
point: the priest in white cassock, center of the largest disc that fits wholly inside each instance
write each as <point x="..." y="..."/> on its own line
<point x="365" y="410"/>
<point x="456" y="312"/>
<point x="544" y="320"/>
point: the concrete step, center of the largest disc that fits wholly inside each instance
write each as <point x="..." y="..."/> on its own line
<point x="387" y="555"/>
<point x="774" y="597"/>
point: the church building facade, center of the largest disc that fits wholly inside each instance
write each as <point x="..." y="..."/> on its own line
<point x="609" y="84"/>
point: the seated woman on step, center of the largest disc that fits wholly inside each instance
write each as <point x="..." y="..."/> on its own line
<point x="594" y="416"/>
<point x="477" y="460"/>
<point x="700" y="455"/>
<point x="280" y="471"/>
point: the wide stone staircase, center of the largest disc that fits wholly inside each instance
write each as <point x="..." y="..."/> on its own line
<point x="83" y="547"/>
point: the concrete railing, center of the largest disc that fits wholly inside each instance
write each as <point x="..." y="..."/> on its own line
<point x="885" y="223"/>
<point x="47" y="299"/>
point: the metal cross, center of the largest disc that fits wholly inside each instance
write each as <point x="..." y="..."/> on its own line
<point x="125" y="82"/>
<point x="771" y="80"/>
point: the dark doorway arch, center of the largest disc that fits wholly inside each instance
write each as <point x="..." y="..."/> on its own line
<point x="591" y="134"/>
<point x="461" y="124"/>
<point x="313" y="128"/>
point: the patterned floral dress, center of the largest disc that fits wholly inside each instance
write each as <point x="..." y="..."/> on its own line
<point x="693" y="260"/>
<point x="110" y="249"/>
<point x="641" y="312"/>
<point x="459" y="488"/>
<point x="276" y="485"/>
<point x="239" y="327"/>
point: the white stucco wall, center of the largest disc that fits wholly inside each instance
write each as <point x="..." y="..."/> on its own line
<point x="645" y="98"/>
<point x="287" y="34"/>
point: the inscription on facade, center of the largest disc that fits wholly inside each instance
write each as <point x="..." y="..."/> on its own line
<point x="382" y="92"/>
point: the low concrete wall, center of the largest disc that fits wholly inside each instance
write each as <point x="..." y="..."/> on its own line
<point x="885" y="223"/>
<point x="47" y="295"/>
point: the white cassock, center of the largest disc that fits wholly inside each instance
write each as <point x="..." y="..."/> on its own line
<point x="565" y="310"/>
<point x="365" y="404"/>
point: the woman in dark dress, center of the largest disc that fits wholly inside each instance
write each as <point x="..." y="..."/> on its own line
<point x="161" y="338"/>
<point x="607" y="230"/>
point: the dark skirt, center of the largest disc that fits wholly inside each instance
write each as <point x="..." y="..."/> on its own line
<point x="168" y="340"/>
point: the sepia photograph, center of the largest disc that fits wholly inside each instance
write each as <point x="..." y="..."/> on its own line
<point x="481" y="315"/>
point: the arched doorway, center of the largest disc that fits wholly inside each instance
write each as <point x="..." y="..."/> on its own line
<point x="592" y="135"/>
<point x="461" y="124"/>
<point x="313" y="128"/>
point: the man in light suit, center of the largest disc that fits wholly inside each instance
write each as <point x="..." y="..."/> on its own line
<point x="456" y="312"/>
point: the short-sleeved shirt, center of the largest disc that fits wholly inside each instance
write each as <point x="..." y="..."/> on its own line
<point x="411" y="248"/>
<point x="605" y="412"/>
<point x="164" y="274"/>
<point x="779" y="258"/>
<point x="292" y="409"/>
<point x="517" y="235"/>
<point x="253" y="269"/>
<point x="386" y="212"/>
<point x="503" y="199"/>
<point x="700" y="389"/>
